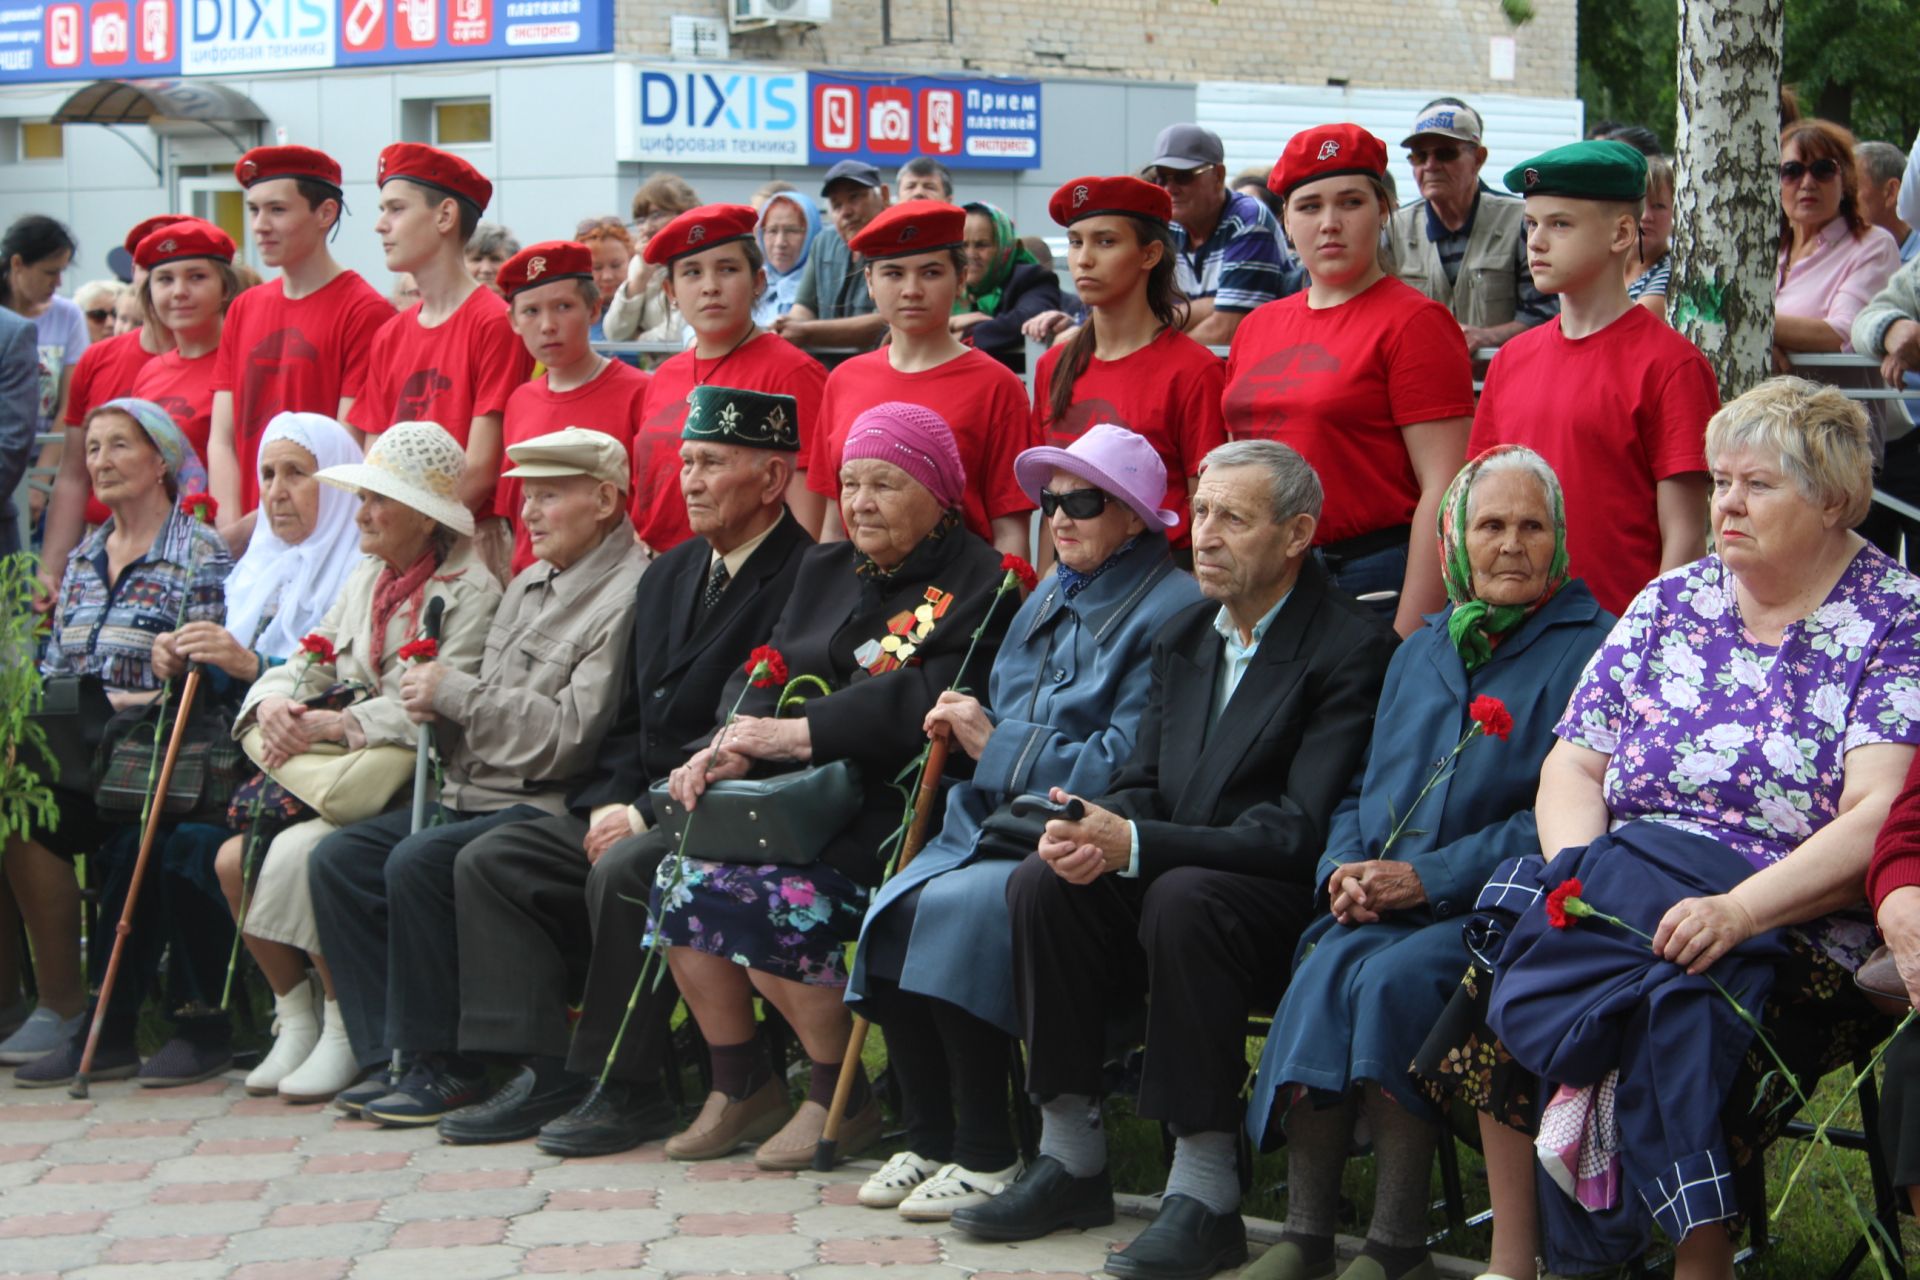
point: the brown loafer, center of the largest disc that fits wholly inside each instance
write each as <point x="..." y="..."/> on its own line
<point x="793" y="1146"/>
<point x="724" y="1124"/>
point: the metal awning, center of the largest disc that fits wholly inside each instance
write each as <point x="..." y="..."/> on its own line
<point x="166" y="106"/>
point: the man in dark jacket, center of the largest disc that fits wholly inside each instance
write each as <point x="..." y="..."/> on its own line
<point x="550" y="907"/>
<point x="1194" y="876"/>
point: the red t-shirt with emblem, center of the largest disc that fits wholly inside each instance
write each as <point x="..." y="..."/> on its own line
<point x="106" y="372"/>
<point x="303" y="355"/>
<point x="1168" y="392"/>
<point x="1620" y="410"/>
<point x="1339" y="383"/>
<point x="609" y="402"/>
<point x="983" y="402"/>
<point x="184" y="388"/>
<point x="767" y="363"/>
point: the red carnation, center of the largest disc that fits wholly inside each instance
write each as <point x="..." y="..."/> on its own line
<point x="1492" y="716"/>
<point x="766" y="667"/>
<point x="1020" y="571"/>
<point x="1558" y="914"/>
<point x="423" y="650"/>
<point x="320" y="647"/>
<point x="200" y="505"/>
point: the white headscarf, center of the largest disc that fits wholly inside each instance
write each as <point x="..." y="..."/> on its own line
<point x="304" y="578"/>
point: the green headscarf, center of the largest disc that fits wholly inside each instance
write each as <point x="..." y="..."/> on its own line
<point x="1008" y="253"/>
<point x="1476" y="626"/>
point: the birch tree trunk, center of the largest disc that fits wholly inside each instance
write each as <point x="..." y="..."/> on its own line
<point x="1726" y="207"/>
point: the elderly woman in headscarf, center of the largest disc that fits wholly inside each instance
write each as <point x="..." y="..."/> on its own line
<point x="1004" y="288"/>
<point x="150" y="567"/>
<point x="885" y="619"/>
<point x="415" y="537"/>
<point x="1401" y="868"/>
<point x="788" y="222"/>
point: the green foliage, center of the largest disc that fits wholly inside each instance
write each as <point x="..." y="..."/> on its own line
<point x="24" y="796"/>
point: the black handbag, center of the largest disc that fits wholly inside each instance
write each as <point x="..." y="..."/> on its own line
<point x="1013" y="831"/>
<point x="785" y="820"/>
<point x="209" y="768"/>
<point x="74" y="712"/>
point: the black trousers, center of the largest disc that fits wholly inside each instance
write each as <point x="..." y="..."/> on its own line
<point x="383" y="901"/>
<point x="1900" y="1109"/>
<point x="175" y="917"/>
<point x="1206" y="946"/>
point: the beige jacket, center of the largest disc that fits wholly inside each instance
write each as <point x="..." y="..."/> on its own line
<point x="1487" y="290"/>
<point x="527" y="728"/>
<point x="471" y="595"/>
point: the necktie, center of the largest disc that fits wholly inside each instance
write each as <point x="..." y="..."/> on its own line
<point x="717" y="580"/>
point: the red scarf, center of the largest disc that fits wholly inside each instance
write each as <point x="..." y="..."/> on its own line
<point x="390" y="591"/>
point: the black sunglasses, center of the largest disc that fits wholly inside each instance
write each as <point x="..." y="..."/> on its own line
<point x="1439" y="155"/>
<point x="100" y="315"/>
<point x="1079" y="504"/>
<point x="1825" y="170"/>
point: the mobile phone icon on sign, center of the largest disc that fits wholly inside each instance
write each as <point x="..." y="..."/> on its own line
<point x="837" y="116"/>
<point x="364" y="25"/>
<point x="156" y="31"/>
<point x="63" y="35"/>
<point x="939" y="121"/>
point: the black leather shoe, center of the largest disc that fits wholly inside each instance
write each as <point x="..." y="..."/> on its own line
<point x="516" y="1110"/>
<point x="1185" y="1241"/>
<point x="611" y="1118"/>
<point x="1043" y="1200"/>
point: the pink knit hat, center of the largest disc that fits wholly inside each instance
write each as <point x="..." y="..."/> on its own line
<point x="915" y="439"/>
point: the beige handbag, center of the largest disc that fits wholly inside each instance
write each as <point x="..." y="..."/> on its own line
<point x="341" y="785"/>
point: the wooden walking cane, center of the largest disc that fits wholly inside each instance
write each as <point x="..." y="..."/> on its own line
<point x="78" y="1088"/>
<point x="827" y="1152"/>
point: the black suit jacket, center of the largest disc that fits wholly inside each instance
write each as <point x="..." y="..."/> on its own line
<point x="682" y="662"/>
<point x="1256" y="793"/>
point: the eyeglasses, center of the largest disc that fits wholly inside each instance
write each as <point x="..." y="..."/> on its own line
<point x="1418" y="156"/>
<point x="100" y="315"/>
<point x="1825" y="170"/>
<point x="1079" y="504"/>
<point x="1166" y="177"/>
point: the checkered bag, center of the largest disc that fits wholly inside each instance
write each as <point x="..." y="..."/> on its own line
<point x="209" y="768"/>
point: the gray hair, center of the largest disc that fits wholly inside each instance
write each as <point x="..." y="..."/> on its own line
<point x="925" y="167"/>
<point x="1525" y="461"/>
<point x="1821" y="438"/>
<point x="1882" y="160"/>
<point x="1295" y="486"/>
<point x="491" y="240"/>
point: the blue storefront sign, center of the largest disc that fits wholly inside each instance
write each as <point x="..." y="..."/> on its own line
<point x="964" y="123"/>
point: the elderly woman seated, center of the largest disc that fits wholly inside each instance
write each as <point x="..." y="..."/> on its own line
<point x="885" y="620"/>
<point x="1723" y="768"/>
<point x="1401" y="868"/>
<point x="151" y="566"/>
<point x="416" y="542"/>
<point x="935" y="965"/>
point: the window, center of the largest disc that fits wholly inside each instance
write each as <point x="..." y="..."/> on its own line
<point x="40" y="140"/>
<point x="461" y="124"/>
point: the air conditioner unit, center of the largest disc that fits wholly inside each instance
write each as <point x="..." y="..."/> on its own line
<point x="753" y="15"/>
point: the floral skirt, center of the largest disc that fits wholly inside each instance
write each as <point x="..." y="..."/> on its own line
<point x="791" y="922"/>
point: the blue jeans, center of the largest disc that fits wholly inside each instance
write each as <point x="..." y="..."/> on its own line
<point x="1380" y="571"/>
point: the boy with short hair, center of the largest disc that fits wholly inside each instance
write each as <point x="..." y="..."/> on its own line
<point x="297" y="344"/>
<point x="1606" y="392"/>
<point x="453" y="357"/>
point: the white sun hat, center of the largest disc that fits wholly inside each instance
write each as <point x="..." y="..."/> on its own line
<point x="414" y="463"/>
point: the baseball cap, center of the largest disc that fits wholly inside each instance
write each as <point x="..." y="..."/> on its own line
<point x="851" y="171"/>
<point x="1447" y="119"/>
<point x="1187" y="146"/>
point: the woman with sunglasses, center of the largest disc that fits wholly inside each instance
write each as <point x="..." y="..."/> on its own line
<point x="1832" y="261"/>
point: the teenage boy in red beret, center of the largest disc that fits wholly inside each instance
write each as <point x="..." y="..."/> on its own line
<point x="453" y="357"/>
<point x="297" y="344"/>
<point x="553" y="301"/>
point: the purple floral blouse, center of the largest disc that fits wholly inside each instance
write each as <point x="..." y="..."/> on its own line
<point x="1711" y="731"/>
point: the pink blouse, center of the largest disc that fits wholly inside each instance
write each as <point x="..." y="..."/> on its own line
<point x="1838" y="277"/>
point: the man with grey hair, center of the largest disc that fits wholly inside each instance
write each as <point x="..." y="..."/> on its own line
<point x="923" y="178"/>
<point x="488" y="251"/>
<point x="1193" y="877"/>
<point x="1883" y="171"/>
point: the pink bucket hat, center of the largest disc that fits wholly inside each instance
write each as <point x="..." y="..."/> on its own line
<point x="915" y="439"/>
<point x="1110" y="458"/>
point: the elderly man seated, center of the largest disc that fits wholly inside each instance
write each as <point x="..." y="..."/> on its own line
<point x="514" y="740"/>
<point x="1193" y="877"/>
<point x="535" y="897"/>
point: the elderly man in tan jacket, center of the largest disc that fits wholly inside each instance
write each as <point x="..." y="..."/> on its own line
<point x="514" y="739"/>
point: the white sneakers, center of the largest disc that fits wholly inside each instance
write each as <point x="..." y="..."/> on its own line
<point x="296" y="1029"/>
<point x="926" y="1191"/>
<point x="328" y="1069"/>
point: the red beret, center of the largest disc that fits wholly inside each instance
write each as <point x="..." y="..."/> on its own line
<point x="698" y="230"/>
<point x="145" y="226"/>
<point x="189" y="238"/>
<point x="1325" y="151"/>
<point x="264" y="164"/>
<point x="1094" y="197"/>
<point x="432" y="167"/>
<point x="543" y="263"/>
<point x="918" y="226"/>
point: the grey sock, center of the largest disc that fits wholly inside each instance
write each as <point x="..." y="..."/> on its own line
<point x="1206" y="1168"/>
<point x="1071" y="1132"/>
<point x="1403" y="1170"/>
<point x="1317" y="1143"/>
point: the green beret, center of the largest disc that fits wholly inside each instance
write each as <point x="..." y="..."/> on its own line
<point x="751" y="419"/>
<point x="1600" y="170"/>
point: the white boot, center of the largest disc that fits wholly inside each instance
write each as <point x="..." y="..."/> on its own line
<point x="296" y="1029"/>
<point x="331" y="1066"/>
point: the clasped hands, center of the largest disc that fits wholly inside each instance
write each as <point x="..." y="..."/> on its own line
<point x="1363" y="892"/>
<point x="289" y="728"/>
<point x="1081" y="852"/>
<point x="733" y="751"/>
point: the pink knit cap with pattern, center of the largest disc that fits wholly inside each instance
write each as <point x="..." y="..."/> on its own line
<point x="915" y="439"/>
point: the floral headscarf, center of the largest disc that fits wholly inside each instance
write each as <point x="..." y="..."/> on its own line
<point x="183" y="464"/>
<point x="1008" y="253"/>
<point x="1477" y="626"/>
